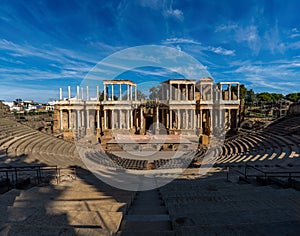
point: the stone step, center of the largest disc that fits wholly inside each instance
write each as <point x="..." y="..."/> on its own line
<point x="286" y="227"/>
<point x="147" y="210"/>
<point x="74" y="206"/>
<point x="237" y="217"/>
<point x="106" y="204"/>
<point x="84" y="219"/>
<point x="150" y="233"/>
<point x="17" y="229"/>
<point x="145" y="226"/>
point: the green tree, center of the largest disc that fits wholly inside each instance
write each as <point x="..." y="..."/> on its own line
<point x="250" y="96"/>
<point x="293" y="97"/>
<point x="101" y="96"/>
<point x="269" y="97"/>
<point x="141" y="95"/>
<point x="155" y="92"/>
<point x="243" y="91"/>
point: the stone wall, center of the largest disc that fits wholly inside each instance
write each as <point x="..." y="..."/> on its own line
<point x="56" y="126"/>
<point x="294" y="109"/>
<point x="4" y="110"/>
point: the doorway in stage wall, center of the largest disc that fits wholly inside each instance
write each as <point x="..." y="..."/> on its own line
<point x="149" y="124"/>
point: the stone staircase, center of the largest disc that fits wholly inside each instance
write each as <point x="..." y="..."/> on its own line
<point x="82" y="207"/>
<point x="147" y="216"/>
<point x="212" y="206"/>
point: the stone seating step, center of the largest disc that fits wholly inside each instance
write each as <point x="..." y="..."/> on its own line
<point x="224" y="207"/>
<point x="74" y="194"/>
<point x="150" y="233"/>
<point x="8" y="198"/>
<point x="147" y="210"/>
<point x="279" y="228"/>
<point x="145" y="226"/>
<point x="17" y="229"/>
<point x="82" y="197"/>
<point x="249" y="195"/>
<point x="74" y="206"/>
<point x="89" y="219"/>
<point x="240" y="217"/>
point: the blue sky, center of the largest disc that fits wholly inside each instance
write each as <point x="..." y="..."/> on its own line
<point x="45" y="45"/>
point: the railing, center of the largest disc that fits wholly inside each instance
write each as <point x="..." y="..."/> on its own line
<point x="12" y="175"/>
<point x="264" y="174"/>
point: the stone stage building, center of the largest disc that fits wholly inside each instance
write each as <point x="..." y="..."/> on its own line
<point x="186" y="107"/>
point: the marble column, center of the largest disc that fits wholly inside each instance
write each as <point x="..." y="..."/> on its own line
<point x="171" y="125"/>
<point x="98" y="119"/>
<point x="112" y="92"/>
<point x="187" y="119"/>
<point x="78" y="93"/>
<point x="104" y="92"/>
<point x="135" y="93"/>
<point x="120" y="119"/>
<point x="128" y="92"/>
<point x="211" y="119"/>
<point x="141" y="118"/>
<point x="167" y="120"/>
<point x="87" y="93"/>
<point x="120" y="92"/>
<point x="131" y="93"/>
<point x="200" y="120"/>
<point x="82" y="119"/>
<point x="60" y="94"/>
<point x="131" y="119"/>
<point x="157" y="117"/>
<point x="194" y="119"/>
<point x="112" y="119"/>
<point x="170" y="92"/>
<point x="97" y="92"/>
<point x="201" y="92"/>
<point x="105" y="119"/>
<point x="186" y="92"/>
<point x="70" y="118"/>
<point x="229" y="92"/>
<point x="128" y="121"/>
<point x="61" y="119"/>
<point x="179" y="118"/>
<point x="87" y="118"/>
<point x="194" y="92"/>
<point x="78" y="119"/>
<point x="220" y="117"/>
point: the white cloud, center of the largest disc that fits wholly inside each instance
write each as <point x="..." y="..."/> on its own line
<point x="200" y="47"/>
<point x="66" y="62"/>
<point x="221" y="51"/>
<point x="281" y="76"/>
<point x="51" y="53"/>
<point x="250" y="35"/>
<point x="226" y="27"/>
<point x="178" y="14"/>
<point x="180" y="41"/>
<point x="166" y="7"/>
<point x="273" y="41"/>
